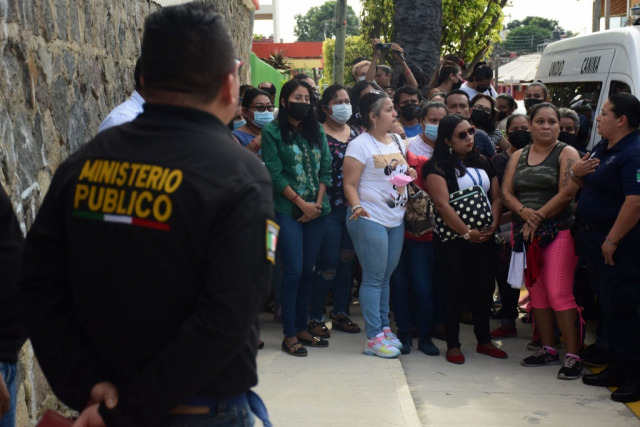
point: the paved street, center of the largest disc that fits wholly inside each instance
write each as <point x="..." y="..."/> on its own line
<point x="338" y="386"/>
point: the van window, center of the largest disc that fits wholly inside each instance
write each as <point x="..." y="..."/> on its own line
<point x="619" y="87"/>
<point x="582" y="97"/>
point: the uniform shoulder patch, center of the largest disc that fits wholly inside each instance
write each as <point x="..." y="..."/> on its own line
<point x="272" y="231"/>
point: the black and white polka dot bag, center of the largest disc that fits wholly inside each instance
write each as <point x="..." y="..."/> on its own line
<point x="472" y="207"/>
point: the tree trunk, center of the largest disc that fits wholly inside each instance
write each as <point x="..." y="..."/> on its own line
<point x="418" y="27"/>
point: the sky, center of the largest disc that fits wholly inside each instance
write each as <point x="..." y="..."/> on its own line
<point x="574" y="15"/>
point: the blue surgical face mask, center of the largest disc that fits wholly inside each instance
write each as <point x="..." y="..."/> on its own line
<point x="341" y="113"/>
<point x="262" y="118"/>
<point x="431" y="131"/>
<point x="239" y="123"/>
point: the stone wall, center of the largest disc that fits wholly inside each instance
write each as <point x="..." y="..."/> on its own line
<point x="64" y="64"/>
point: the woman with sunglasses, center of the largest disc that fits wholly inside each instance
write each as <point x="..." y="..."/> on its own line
<point x="257" y="110"/>
<point x="375" y="178"/>
<point x="468" y="260"/>
<point x="484" y="112"/>
<point x="295" y="151"/>
<point x="539" y="192"/>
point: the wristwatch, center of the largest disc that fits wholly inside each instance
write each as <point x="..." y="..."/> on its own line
<point x="466" y="236"/>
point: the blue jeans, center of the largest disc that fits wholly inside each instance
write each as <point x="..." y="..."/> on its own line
<point x="299" y="244"/>
<point x="8" y="372"/>
<point x="333" y="267"/>
<point x="378" y="249"/>
<point x="413" y="281"/>
<point x="234" y="412"/>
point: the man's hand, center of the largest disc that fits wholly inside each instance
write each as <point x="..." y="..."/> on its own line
<point x="5" y="398"/>
<point x="102" y="392"/>
<point x="90" y="417"/>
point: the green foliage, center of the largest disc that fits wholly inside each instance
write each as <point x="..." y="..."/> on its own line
<point x="549" y="24"/>
<point x="278" y="60"/>
<point x="377" y="19"/>
<point x="355" y="46"/>
<point x="526" y="39"/>
<point x="469" y="28"/>
<point x="319" y="22"/>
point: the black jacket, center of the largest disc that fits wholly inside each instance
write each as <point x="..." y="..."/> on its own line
<point x="11" y="331"/>
<point x="147" y="265"/>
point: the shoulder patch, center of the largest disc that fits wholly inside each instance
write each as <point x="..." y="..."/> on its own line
<point x="272" y="230"/>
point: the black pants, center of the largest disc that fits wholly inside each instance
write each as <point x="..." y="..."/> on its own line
<point x="618" y="292"/>
<point x="467" y="268"/>
<point x="508" y="295"/>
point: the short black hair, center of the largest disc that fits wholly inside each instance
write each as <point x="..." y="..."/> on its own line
<point x="252" y="94"/>
<point x="625" y="104"/>
<point x="186" y="49"/>
<point x="456" y="92"/>
<point x="512" y="102"/>
<point x="481" y="71"/>
<point x="409" y="90"/>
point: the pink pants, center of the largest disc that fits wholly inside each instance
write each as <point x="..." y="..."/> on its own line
<point x="554" y="286"/>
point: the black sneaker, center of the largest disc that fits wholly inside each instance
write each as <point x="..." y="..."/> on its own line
<point x="571" y="369"/>
<point x="596" y="356"/>
<point x="541" y="358"/>
<point x="406" y="340"/>
<point x="534" y="345"/>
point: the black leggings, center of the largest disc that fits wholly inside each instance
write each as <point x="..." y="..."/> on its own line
<point x="467" y="268"/>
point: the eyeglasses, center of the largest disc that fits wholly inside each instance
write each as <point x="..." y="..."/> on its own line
<point x="262" y="108"/>
<point x="463" y="135"/>
<point x="479" y="107"/>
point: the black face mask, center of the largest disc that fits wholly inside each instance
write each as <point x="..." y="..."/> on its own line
<point x="298" y="110"/>
<point x="530" y="102"/>
<point x="457" y="85"/>
<point x="482" y="89"/>
<point x="502" y="115"/>
<point x="409" y="111"/>
<point x="519" y="138"/>
<point x="568" y="138"/>
<point x="480" y="118"/>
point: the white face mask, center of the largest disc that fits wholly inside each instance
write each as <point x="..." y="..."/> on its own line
<point x="341" y="113"/>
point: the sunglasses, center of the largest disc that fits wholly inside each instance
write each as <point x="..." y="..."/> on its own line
<point x="463" y="135"/>
<point x="261" y="108"/>
<point x="479" y="107"/>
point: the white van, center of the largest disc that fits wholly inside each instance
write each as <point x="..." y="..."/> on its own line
<point x="582" y="72"/>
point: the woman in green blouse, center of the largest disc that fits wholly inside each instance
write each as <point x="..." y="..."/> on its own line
<point x="295" y="151"/>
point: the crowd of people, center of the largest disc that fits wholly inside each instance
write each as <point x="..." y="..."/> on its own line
<point x="356" y="149"/>
<point x="190" y="183"/>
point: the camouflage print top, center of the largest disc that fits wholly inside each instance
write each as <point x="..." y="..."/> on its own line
<point x="536" y="185"/>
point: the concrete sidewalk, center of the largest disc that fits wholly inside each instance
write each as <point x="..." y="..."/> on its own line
<point x="339" y="386"/>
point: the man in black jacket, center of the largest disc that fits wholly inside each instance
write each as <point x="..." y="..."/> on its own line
<point x="151" y="256"/>
<point x="11" y="332"/>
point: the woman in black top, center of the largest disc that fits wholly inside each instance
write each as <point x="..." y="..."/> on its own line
<point x="468" y="259"/>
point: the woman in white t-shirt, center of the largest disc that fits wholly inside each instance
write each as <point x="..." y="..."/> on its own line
<point x="430" y="116"/>
<point x="375" y="178"/>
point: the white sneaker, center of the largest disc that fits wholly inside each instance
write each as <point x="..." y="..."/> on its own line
<point x="380" y="347"/>
<point x="392" y="338"/>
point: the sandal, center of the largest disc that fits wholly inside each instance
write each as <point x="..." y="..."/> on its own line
<point x="319" y="329"/>
<point x="296" y="349"/>
<point x="314" y="342"/>
<point x="344" y="324"/>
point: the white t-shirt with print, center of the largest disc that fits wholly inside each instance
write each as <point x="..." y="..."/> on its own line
<point x="420" y="148"/>
<point x="472" y="92"/>
<point x="481" y="178"/>
<point x="382" y="200"/>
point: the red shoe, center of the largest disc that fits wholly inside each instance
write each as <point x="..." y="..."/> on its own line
<point x="504" y="332"/>
<point x="493" y="352"/>
<point x="457" y="359"/>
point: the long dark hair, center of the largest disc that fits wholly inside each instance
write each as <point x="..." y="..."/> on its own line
<point x="308" y="128"/>
<point x="328" y="94"/>
<point x="445" y="158"/>
<point x="491" y="125"/>
<point x="354" y="97"/>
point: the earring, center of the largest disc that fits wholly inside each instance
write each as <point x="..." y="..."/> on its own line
<point x="450" y="150"/>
